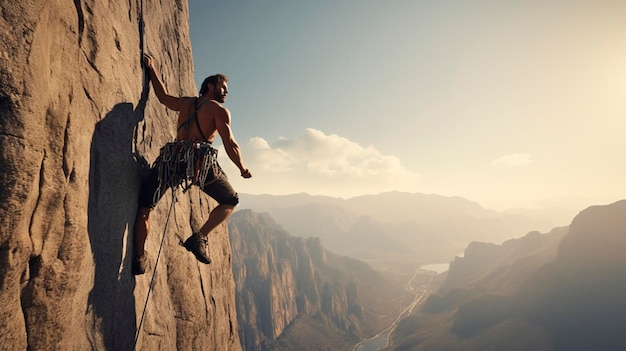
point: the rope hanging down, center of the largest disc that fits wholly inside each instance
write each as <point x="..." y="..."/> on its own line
<point x="156" y="263"/>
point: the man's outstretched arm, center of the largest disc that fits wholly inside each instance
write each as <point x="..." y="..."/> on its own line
<point x="222" y="121"/>
<point x="171" y="102"/>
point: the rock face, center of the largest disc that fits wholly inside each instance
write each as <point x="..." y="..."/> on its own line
<point x="77" y="127"/>
<point x="292" y="294"/>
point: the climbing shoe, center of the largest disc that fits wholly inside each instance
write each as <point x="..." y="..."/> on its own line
<point x="141" y="264"/>
<point x="198" y="244"/>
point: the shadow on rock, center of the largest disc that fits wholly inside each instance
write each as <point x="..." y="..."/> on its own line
<point x="114" y="178"/>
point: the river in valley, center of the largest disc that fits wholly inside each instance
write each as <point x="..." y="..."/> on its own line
<point x="420" y="286"/>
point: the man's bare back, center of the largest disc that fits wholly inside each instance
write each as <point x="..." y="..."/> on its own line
<point x="206" y="119"/>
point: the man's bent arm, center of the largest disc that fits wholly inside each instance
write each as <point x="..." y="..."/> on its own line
<point x="222" y="121"/>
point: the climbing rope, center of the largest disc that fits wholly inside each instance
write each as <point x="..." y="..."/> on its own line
<point x="156" y="263"/>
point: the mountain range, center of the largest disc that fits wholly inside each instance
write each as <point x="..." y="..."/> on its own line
<point x="394" y="229"/>
<point x="560" y="291"/>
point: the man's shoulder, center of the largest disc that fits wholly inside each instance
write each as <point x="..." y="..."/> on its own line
<point x="212" y="105"/>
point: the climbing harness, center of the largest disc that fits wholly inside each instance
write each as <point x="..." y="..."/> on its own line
<point x="185" y="163"/>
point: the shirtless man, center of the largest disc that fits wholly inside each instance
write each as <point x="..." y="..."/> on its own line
<point x="199" y="121"/>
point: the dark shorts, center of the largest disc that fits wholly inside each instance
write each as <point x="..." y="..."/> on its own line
<point x="218" y="188"/>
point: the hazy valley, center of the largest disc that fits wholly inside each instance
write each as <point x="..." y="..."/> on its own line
<point x="557" y="290"/>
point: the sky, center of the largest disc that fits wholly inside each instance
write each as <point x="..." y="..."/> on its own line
<point x="507" y="103"/>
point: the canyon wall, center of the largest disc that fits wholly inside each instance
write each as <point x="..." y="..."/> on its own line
<point x="293" y="294"/>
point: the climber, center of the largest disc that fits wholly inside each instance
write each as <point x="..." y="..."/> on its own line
<point x="191" y="160"/>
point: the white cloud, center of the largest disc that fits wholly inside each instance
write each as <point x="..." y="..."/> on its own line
<point x="318" y="163"/>
<point x="513" y="160"/>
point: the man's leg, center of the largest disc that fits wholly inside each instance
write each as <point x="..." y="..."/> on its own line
<point x="147" y="200"/>
<point x="219" y="214"/>
<point x="142" y="226"/>
<point x="222" y="192"/>
<point x="141" y="262"/>
<point x="198" y="242"/>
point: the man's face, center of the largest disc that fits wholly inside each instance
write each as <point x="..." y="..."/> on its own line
<point x="220" y="91"/>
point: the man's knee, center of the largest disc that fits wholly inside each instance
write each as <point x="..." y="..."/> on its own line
<point x="231" y="201"/>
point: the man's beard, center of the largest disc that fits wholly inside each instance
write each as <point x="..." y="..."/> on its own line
<point x="219" y="98"/>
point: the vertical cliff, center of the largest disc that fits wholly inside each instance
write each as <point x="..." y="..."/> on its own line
<point x="292" y="294"/>
<point x="77" y="127"/>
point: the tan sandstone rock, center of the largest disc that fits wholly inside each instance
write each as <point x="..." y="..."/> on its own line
<point x="76" y="126"/>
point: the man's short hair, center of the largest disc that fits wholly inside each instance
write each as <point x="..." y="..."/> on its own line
<point x="214" y="80"/>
